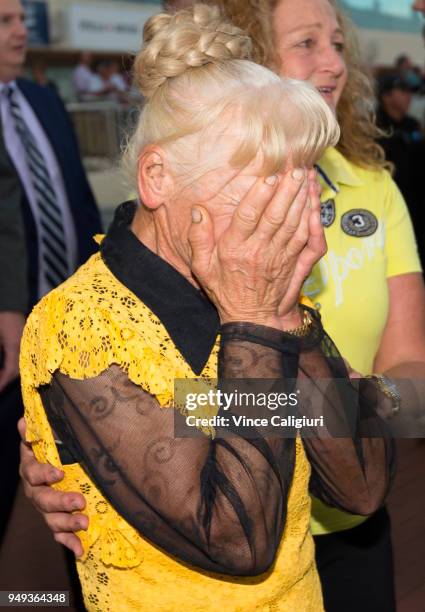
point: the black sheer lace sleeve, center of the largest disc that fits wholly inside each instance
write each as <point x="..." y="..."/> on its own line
<point x="347" y="436"/>
<point x="352" y="454"/>
<point x="220" y="504"/>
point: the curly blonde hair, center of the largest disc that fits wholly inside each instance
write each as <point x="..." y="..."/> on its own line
<point x="356" y="114"/>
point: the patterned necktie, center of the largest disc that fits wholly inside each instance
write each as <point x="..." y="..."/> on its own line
<point x="53" y="242"/>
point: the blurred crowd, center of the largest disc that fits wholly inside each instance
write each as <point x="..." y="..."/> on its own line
<point x="92" y="80"/>
<point x="401" y="116"/>
<point x="99" y="80"/>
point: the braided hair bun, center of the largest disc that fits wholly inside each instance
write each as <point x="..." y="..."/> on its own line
<point x="189" y="39"/>
<point x="207" y="104"/>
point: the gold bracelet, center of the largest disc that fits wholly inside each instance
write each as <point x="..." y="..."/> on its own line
<point x="388" y="388"/>
<point x="304" y="329"/>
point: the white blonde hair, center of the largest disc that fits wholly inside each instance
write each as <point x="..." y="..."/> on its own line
<point x="198" y="83"/>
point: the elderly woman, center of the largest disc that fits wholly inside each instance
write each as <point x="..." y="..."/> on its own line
<point x="202" y="278"/>
<point x="368" y="286"/>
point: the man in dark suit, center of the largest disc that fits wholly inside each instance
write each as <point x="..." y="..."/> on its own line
<point x="13" y="304"/>
<point x="48" y="215"/>
<point x="13" y="269"/>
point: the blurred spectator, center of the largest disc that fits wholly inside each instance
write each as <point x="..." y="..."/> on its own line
<point x="117" y="79"/>
<point x="101" y="81"/>
<point x="82" y="76"/>
<point x="101" y="85"/>
<point x="406" y="69"/>
<point x="39" y="76"/>
<point x="404" y="147"/>
<point x="419" y="6"/>
<point x="108" y="82"/>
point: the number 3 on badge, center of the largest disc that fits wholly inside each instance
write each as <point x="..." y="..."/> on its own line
<point x="359" y="222"/>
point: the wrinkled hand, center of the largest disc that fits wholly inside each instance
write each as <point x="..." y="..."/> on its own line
<point x="256" y="269"/>
<point x="56" y="507"/>
<point x="11" y="328"/>
<point x="314" y="249"/>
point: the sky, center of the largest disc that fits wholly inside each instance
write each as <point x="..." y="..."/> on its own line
<point x="400" y="8"/>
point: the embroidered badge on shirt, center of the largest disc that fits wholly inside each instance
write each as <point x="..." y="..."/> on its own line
<point x="359" y="222"/>
<point x="327" y="212"/>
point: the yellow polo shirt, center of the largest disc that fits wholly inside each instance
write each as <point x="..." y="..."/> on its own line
<point x="370" y="238"/>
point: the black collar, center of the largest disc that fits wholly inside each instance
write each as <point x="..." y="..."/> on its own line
<point x="189" y="317"/>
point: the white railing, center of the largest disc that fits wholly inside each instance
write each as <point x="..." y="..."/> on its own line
<point x="102" y="127"/>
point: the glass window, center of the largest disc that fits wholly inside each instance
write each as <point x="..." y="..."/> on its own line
<point x="395" y="15"/>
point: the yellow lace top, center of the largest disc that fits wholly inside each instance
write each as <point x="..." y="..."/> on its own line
<point x="80" y="329"/>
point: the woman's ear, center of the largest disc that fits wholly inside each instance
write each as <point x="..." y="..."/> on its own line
<point x="155" y="180"/>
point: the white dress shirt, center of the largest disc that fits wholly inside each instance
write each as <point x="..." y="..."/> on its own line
<point x="82" y="78"/>
<point x="119" y="82"/>
<point x="18" y="156"/>
<point x="97" y="84"/>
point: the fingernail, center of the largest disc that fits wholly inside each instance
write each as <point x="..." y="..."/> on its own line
<point x="271" y="180"/>
<point x="196" y="215"/>
<point x="298" y="174"/>
<point x="80" y="525"/>
<point x="54" y="473"/>
<point x="308" y="203"/>
<point x="76" y="505"/>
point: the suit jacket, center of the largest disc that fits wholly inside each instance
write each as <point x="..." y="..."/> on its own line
<point x="59" y="130"/>
<point x="13" y="261"/>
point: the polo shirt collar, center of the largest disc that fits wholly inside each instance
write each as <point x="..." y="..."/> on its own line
<point x="338" y="170"/>
<point x="190" y="319"/>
